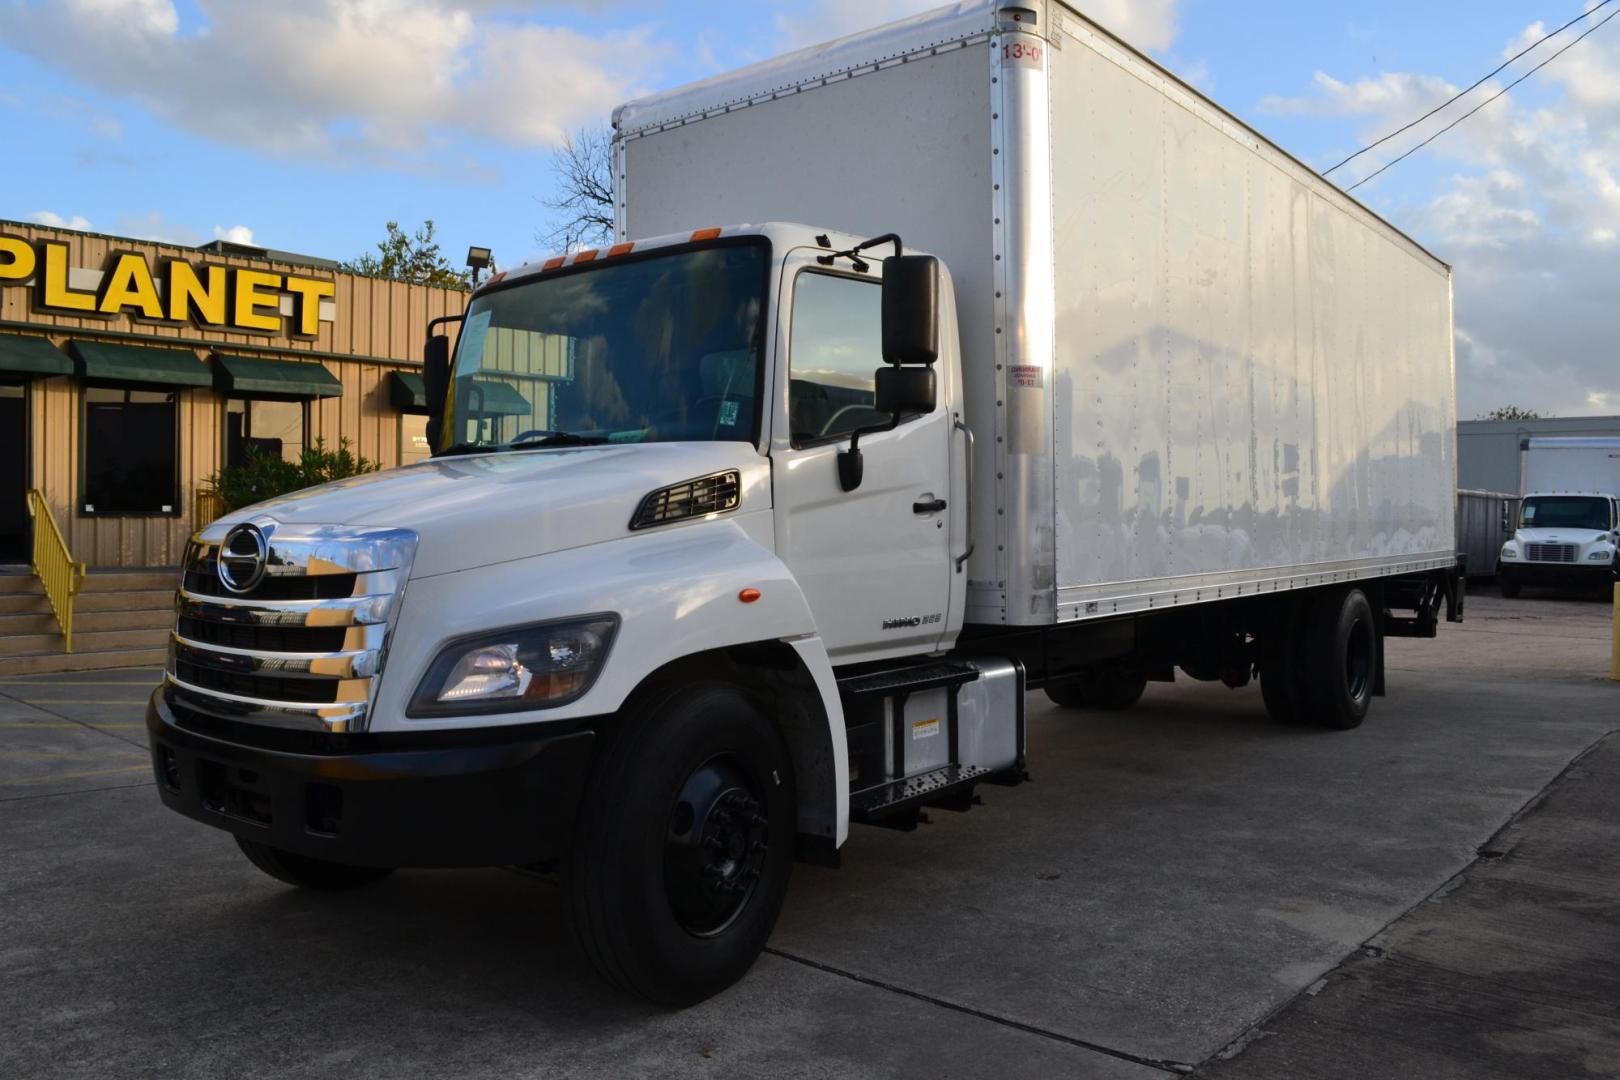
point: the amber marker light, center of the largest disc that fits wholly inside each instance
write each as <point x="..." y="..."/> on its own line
<point x="706" y="234"/>
<point x="748" y="596"/>
<point x="621" y="249"/>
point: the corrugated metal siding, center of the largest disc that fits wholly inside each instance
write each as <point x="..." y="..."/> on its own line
<point x="379" y="323"/>
<point x="1480" y="535"/>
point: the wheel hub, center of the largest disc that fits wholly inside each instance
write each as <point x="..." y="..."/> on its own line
<point x="715" y="847"/>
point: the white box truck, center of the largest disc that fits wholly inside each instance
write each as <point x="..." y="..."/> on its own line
<point x="1034" y="370"/>
<point x="1566" y="527"/>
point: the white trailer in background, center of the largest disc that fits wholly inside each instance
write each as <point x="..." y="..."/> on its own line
<point x="1566" y="526"/>
<point x="738" y="533"/>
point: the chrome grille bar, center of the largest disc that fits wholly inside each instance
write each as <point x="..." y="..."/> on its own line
<point x="283" y="659"/>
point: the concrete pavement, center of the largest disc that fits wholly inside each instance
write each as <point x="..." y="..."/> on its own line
<point x="1171" y="878"/>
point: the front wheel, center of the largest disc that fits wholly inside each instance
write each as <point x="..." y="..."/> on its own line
<point x="685" y="845"/>
<point x="1508" y="584"/>
<point x="307" y="872"/>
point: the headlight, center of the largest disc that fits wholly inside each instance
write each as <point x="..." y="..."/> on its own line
<point x="1600" y="555"/>
<point x="526" y="667"/>
<point x="1510" y="551"/>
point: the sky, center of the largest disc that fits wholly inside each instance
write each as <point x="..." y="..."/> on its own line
<point x="305" y="125"/>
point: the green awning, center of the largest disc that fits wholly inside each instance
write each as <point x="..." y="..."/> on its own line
<point x="276" y="380"/>
<point x="407" y="393"/>
<point x="127" y="365"/>
<point x="32" y="356"/>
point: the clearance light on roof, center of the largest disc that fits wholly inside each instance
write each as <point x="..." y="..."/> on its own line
<point x="706" y="234"/>
<point x="585" y="256"/>
<point x="621" y="249"/>
<point x="552" y="264"/>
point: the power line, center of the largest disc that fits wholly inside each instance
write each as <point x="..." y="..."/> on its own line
<point x="1464" y="93"/>
<point x="1486" y="102"/>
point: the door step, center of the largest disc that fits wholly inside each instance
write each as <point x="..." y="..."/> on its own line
<point x="910" y="679"/>
<point x="897" y="804"/>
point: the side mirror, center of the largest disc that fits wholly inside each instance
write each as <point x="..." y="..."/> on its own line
<point x="1506" y="525"/>
<point x="435" y="384"/>
<point x="905" y="390"/>
<point x="910" y="309"/>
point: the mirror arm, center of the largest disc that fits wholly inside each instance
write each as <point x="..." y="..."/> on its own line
<point x="851" y="465"/>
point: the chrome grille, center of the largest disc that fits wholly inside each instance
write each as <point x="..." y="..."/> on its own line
<point x="300" y="649"/>
<point x="1550" y="552"/>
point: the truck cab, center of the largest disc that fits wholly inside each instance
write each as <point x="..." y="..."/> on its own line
<point x="687" y="494"/>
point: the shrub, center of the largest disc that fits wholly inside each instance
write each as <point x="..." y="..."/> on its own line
<point x="263" y="476"/>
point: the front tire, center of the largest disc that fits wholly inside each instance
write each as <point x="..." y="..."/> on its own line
<point x="1341" y="659"/>
<point x="1508" y="584"/>
<point x="307" y="872"/>
<point x="681" y="860"/>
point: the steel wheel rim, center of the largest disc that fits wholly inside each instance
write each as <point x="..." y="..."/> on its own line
<point x="715" y="845"/>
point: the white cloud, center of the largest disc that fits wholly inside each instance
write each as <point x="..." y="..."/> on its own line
<point x="1528" y="212"/>
<point x="57" y="221"/>
<point x="236" y="234"/>
<point x="383" y="78"/>
<point x="155" y="227"/>
<point x="1147" y="24"/>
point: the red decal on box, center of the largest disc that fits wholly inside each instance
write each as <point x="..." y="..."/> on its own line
<point x="1029" y="376"/>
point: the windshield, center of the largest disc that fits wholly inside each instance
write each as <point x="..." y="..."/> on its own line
<point x="1566" y="512"/>
<point x="658" y="349"/>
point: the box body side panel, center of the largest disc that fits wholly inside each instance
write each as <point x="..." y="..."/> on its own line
<point x="1254" y="386"/>
<point x="1574" y="465"/>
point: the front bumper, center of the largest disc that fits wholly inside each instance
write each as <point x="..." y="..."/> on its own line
<point x="504" y="797"/>
<point x="1584" y="575"/>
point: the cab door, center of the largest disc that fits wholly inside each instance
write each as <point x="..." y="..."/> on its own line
<point x="875" y="563"/>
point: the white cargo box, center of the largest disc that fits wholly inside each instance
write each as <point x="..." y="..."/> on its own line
<point x="1196" y="369"/>
<point x="1588" y="465"/>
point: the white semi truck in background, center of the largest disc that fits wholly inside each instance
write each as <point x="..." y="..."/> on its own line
<point x="1565" y="528"/>
<point x="737" y="534"/>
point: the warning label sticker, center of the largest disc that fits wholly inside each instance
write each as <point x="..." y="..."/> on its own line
<point x="1029" y="376"/>
<point x="924" y="729"/>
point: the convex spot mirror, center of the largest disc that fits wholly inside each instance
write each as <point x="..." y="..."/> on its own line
<point x="904" y="391"/>
<point x="910" y="309"/>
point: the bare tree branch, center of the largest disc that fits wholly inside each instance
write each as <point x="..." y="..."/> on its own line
<point x="582" y="210"/>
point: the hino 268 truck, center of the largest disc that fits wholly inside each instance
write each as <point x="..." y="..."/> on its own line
<point x="971" y="355"/>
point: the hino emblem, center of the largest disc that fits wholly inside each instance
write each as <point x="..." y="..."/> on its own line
<point x="242" y="558"/>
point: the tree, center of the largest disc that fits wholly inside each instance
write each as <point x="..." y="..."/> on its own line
<point x="1510" y="412"/>
<point x="583" y="205"/>
<point x="265" y="476"/>
<point x="413" y="258"/>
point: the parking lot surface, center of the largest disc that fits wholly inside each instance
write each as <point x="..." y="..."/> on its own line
<point x="1170" y="880"/>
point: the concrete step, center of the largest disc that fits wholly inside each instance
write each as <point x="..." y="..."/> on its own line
<point x="94" y="641"/>
<point x="33" y="622"/>
<point x="136" y="619"/>
<point x="123" y="580"/>
<point x="20" y="583"/>
<point x="21" y="603"/>
<point x="121" y="600"/>
<point x="45" y="663"/>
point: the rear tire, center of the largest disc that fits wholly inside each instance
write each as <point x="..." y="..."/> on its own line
<point x="685" y="844"/>
<point x="307" y="872"/>
<point x="1112" y="693"/>
<point x="1341" y="660"/>
<point x="1282" y="664"/>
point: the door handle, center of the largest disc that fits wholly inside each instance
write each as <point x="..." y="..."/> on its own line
<point x="932" y="507"/>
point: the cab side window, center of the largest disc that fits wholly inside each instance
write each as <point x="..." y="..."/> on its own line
<point x="835" y="345"/>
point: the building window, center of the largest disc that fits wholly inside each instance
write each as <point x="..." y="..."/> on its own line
<point x="130" y="458"/>
<point x="274" y="428"/>
<point x="836" y="346"/>
<point x="413" y="442"/>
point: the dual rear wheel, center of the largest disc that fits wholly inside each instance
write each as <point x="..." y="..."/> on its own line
<point x="1319" y="659"/>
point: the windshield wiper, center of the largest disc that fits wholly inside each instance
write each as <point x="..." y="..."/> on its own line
<point x="464" y="448"/>
<point x="557" y="438"/>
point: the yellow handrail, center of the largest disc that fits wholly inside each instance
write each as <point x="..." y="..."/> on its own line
<point x="207" y="506"/>
<point x="54" y="565"/>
